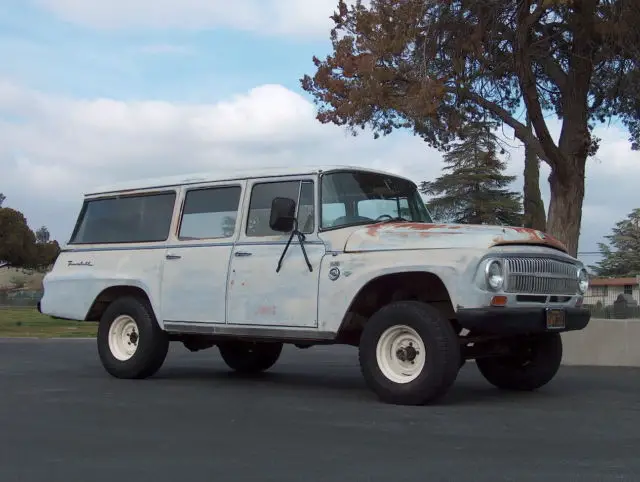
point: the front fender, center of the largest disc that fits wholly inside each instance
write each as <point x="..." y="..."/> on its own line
<point x="356" y="270"/>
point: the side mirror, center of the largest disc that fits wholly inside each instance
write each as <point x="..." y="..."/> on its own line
<point x="283" y="214"/>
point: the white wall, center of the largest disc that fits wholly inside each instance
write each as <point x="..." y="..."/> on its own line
<point x="604" y="343"/>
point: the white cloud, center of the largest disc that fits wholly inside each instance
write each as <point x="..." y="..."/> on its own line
<point x="53" y="148"/>
<point x="280" y="17"/>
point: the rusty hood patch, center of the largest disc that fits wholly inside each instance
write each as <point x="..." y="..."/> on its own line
<point x="404" y="235"/>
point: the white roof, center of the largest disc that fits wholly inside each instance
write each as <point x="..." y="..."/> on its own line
<point x="225" y="175"/>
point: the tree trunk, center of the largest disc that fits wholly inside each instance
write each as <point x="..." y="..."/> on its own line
<point x="534" y="215"/>
<point x="565" y="206"/>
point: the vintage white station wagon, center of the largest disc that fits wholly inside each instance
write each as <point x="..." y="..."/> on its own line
<point x="250" y="260"/>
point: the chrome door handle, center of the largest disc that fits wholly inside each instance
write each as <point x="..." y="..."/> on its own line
<point x="241" y="253"/>
<point x="172" y="256"/>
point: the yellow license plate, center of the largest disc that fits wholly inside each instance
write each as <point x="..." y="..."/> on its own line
<point x="555" y="319"/>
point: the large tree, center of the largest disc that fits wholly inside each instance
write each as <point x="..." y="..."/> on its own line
<point x="20" y="246"/>
<point x="624" y="260"/>
<point x="42" y="235"/>
<point x="435" y="66"/>
<point x="17" y="241"/>
<point x="473" y="188"/>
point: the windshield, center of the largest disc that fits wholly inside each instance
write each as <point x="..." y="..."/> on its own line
<point x="350" y="198"/>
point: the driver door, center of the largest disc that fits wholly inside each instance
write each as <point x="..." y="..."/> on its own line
<point x="256" y="293"/>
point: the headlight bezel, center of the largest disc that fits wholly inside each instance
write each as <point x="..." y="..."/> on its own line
<point x="582" y="281"/>
<point x="488" y="275"/>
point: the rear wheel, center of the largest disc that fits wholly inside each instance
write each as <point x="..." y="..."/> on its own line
<point x="533" y="362"/>
<point x="130" y="342"/>
<point x="250" y="357"/>
<point x="409" y="353"/>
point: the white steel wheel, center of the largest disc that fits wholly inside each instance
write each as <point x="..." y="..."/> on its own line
<point x="400" y="354"/>
<point x="123" y="337"/>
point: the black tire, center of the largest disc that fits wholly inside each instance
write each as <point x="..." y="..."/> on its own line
<point x="534" y="363"/>
<point x="250" y="357"/>
<point x="152" y="342"/>
<point x="441" y="360"/>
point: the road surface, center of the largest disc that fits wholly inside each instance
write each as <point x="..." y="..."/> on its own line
<point x="62" y="418"/>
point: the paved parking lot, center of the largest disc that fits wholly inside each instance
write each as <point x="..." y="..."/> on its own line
<point x="62" y="418"/>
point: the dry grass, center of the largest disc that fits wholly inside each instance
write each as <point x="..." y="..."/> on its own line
<point x="32" y="279"/>
<point x="27" y="322"/>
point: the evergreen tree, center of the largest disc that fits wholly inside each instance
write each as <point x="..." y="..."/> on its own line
<point x="473" y="189"/>
<point x="625" y="260"/>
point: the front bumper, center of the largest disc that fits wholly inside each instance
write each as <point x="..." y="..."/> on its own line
<point x="518" y="321"/>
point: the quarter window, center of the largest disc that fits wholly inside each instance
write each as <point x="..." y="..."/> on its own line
<point x="210" y="213"/>
<point x="260" y="206"/>
<point x="125" y="219"/>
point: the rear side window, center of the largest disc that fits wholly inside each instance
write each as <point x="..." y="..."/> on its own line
<point x="210" y="213"/>
<point x="125" y="219"/>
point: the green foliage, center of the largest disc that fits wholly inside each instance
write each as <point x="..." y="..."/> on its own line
<point x="473" y="188"/>
<point x="17" y="241"/>
<point x="20" y="246"/>
<point x="624" y="259"/>
<point x="436" y="66"/>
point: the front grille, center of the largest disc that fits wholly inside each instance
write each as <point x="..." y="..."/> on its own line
<point x="541" y="276"/>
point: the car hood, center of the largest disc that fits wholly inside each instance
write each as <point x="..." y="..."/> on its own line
<point x="404" y="235"/>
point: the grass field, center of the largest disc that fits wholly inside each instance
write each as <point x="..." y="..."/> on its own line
<point x="27" y="322"/>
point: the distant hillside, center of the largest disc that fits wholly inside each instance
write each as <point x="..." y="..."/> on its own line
<point x="12" y="278"/>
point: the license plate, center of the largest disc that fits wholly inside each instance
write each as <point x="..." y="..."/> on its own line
<point x="555" y="319"/>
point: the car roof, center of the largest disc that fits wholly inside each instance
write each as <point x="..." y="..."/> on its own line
<point x="226" y="175"/>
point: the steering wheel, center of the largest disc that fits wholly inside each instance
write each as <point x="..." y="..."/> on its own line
<point x="379" y="218"/>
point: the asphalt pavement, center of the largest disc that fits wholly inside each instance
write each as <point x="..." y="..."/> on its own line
<point x="62" y="418"/>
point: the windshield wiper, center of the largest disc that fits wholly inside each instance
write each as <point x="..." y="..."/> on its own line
<point x="301" y="240"/>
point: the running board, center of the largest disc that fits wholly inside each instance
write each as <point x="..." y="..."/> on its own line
<point x="215" y="329"/>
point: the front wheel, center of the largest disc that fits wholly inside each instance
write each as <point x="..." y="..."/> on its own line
<point x="533" y="363"/>
<point x="409" y="353"/>
<point x="250" y="357"/>
<point x="130" y="342"/>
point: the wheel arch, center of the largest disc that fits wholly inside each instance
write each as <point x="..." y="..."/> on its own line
<point x="111" y="293"/>
<point x="420" y="285"/>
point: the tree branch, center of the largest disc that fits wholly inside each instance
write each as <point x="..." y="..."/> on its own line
<point x="519" y="129"/>
<point x="527" y="81"/>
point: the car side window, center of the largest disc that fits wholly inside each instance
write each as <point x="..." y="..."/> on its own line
<point x="210" y="213"/>
<point x="263" y="194"/>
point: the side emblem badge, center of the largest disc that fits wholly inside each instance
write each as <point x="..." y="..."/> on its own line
<point x="334" y="274"/>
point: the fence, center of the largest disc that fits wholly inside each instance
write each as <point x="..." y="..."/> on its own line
<point x="20" y="298"/>
<point x="620" y="307"/>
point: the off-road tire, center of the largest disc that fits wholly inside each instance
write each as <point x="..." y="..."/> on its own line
<point x="442" y="353"/>
<point x="535" y="362"/>
<point x="152" y="343"/>
<point x="250" y="357"/>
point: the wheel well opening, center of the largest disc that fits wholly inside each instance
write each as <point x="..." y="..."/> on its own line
<point x="419" y="286"/>
<point x="110" y="294"/>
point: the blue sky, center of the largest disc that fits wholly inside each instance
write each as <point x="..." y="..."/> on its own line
<point x="93" y="92"/>
<point x="173" y="64"/>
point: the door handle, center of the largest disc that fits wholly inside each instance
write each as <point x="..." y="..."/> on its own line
<point x="241" y="253"/>
<point x="172" y="256"/>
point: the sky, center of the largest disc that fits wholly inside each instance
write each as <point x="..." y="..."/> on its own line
<point x="93" y="92"/>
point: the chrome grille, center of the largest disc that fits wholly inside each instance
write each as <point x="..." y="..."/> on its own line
<point x="541" y="276"/>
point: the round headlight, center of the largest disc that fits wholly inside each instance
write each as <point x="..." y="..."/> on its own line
<point x="495" y="275"/>
<point x="583" y="280"/>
